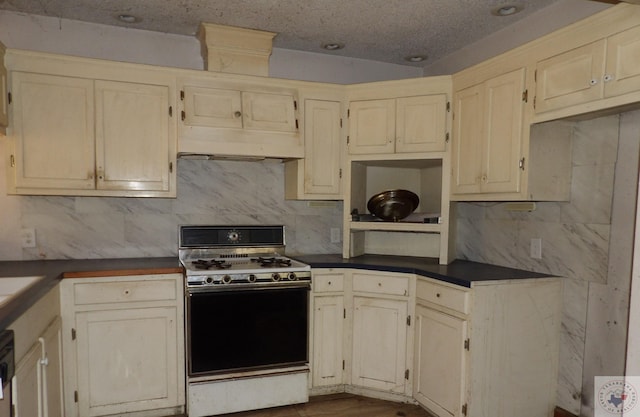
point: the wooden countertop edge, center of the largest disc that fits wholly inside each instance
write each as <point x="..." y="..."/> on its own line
<point x="122" y="272"/>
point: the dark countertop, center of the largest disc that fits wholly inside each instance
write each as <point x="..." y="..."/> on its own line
<point x="54" y="270"/>
<point x="463" y="273"/>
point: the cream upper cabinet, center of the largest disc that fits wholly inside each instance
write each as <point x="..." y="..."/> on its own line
<point x="406" y="124"/>
<point x="319" y="174"/>
<point x="102" y="130"/>
<point x="488" y="135"/>
<point x="53" y="125"/>
<point x="132" y="137"/>
<point x="238" y="117"/>
<point x="4" y="113"/>
<point x="125" y="347"/>
<point x="601" y="69"/>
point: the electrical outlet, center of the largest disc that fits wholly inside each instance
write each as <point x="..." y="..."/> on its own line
<point x="28" y="238"/>
<point x="536" y="248"/>
<point x="335" y="235"/>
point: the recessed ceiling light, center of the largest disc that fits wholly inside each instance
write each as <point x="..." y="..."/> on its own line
<point x="415" y="58"/>
<point x="128" y="18"/>
<point x="332" y="46"/>
<point x="506" y="10"/>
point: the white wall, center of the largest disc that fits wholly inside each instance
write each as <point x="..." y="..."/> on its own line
<point x="69" y="37"/>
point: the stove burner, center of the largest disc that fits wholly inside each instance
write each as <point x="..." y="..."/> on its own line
<point x="272" y="262"/>
<point x="212" y="264"/>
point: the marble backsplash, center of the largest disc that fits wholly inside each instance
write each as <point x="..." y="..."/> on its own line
<point x="209" y="192"/>
<point x="584" y="240"/>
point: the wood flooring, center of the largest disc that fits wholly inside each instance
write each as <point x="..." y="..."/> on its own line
<point x="340" y="405"/>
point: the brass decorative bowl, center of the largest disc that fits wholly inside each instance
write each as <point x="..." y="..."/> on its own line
<point x="393" y="205"/>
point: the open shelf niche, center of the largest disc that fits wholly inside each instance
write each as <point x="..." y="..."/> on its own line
<point x="428" y="178"/>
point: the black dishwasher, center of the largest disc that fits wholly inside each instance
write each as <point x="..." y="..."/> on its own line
<point x="7" y="367"/>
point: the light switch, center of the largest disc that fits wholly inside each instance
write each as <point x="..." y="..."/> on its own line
<point x="536" y="248"/>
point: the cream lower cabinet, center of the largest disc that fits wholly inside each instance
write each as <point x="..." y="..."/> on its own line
<point x="491" y="350"/>
<point x="601" y="69"/>
<point x="398" y="125"/>
<point x="81" y="128"/>
<point x="4" y="112"/>
<point x="380" y="331"/>
<point x="38" y="381"/>
<point x="124" y="346"/>
<point x="319" y="174"/>
<point x="328" y="326"/>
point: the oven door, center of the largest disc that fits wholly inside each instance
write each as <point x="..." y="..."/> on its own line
<point x="246" y="330"/>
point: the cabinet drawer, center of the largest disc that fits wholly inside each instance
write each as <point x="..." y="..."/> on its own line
<point x="443" y="296"/>
<point x="124" y="291"/>
<point x="381" y="284"/>
<point x="328" y="283"/>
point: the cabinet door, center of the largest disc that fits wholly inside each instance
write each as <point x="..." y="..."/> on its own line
<point x="127" y="360"/>
<point x="573" y="77"/>
<point x="421" y="123"/>
<point x="328" y="319"/>
<point x="53" y="125"/>
<point x="212" y="107"/>
<point x="267" y="111"/>
<point x="467" y="140"/>
<point x="372" y="127"/>
<point x="623" y="63"/>
<point x="38" y="378"/>
<point x="439" y="369"/>
<point x="132" y="136"/>
<point x="379" y="343"/>
<point x="503" y="132"/>
<point x="4" y="114"/>
<point x="322" y="163"/>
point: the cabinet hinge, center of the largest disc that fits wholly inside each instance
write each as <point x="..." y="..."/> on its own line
<point x="348" y="113"/>
<point x="535" y="75"/>
<point x="295" y="105"/>
<point x="521" y="163"/>
<point x="448" y="106"/>
<point x="406" y="374"/>
<point x="344" y="313"/>
<point x="9" y="98"/>
<point x="466" y="344"/>
<point x="343" y="365"/>
<point x="181" y="95"/>
<point x="73" y="334"/>
<point x="341" y="122"/>
<point x="340" y="173"/>
<point x="525" y="96"/>
<point x="408" y="320"/>
<point x="347" y="139"/>
<point x="464" y="409"/>
<point x="75" y="396"/>
<point x="183" y="115"/>
<point x="534" y="101"/>
<point x="171" y="167"/>
<point x="296" y="123"/>
<point x="446" y="137"/>
<point x="170" y="111"/>
<point x="13" y="161"/>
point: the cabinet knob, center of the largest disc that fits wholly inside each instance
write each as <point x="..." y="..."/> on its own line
<point x="329" y="283"/>
<point x="237" y="114"/>
<point x="127" y="292"/>
<point x="607" y="78"/>
<point x="593" y="81"/>
<point x="438" y="295"/>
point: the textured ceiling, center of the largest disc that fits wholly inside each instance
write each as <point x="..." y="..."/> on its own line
<point x="381" y="30"/>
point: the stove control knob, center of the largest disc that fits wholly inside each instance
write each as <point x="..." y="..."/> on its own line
<point x="292" y="276"/>
<point x="252" y="278"/>
<point x="208" y="280"/>
<point x="275" y="277"/>
<point x="226" y="279"/>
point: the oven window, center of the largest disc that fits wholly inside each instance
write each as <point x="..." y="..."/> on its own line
<point x="247" y="329"/>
